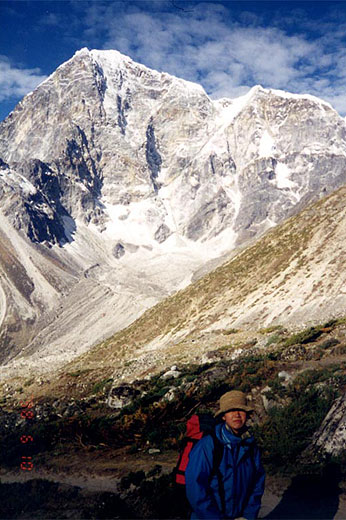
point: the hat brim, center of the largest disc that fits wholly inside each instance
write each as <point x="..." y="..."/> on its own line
<point x="243" y="408"/>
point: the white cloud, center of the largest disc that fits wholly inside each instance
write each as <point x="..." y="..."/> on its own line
<point x="225" y="55"/>
<point x="206" y="43"/>
<point x="15" y="82"/>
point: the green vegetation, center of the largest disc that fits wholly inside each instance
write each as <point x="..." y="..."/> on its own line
<point x="335" y="322"/>
<point x="287" y="431"/>
<point x="273" y="328"/>
<point x="156" y="415"/>
<point x="306" y="336"/>
<point x="230" y="331"/>
<point x="80" y="372"/>
<point x="275" y="338"/>
<point x="102" y="385"/>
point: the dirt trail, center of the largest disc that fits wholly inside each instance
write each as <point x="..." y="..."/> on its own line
<point x="280" y="500"/>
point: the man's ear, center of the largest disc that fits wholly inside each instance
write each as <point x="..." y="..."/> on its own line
<point x="223" y="418"/>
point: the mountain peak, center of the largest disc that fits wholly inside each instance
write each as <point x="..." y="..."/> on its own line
<point x="129" y="183"/>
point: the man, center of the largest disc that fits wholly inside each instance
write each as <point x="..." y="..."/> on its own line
<point x="234" y="489"/>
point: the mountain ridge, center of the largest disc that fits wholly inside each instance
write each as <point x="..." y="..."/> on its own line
<point x="119" y="185"/>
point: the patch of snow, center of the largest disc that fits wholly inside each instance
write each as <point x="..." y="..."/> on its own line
<point x="281" y="93"/>
<point x="267" y="145"/>
<point x="282" y="173"/>
<point x="230" y="108"/>
<point x="12" y="178"/>
<point x="140" y="225"/>
<point x="111" y="58"/>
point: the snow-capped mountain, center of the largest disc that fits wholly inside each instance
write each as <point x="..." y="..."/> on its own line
<point x="120" y="184"/>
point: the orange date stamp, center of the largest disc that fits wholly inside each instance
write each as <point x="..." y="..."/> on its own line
<point x="26" y="463"/>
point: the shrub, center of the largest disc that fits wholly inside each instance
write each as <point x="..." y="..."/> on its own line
<point x="288" y="429"/>
<point x="310" y="377"/>
<point x="190" y="378"/>
<point x="334" y="322"/>
<point x="100" y="386"/>
<point x="196" y="370"/>
<point x="155" y="436"/>
<point x="330" y="323"/>
<point x="170" y="501"/>
<point x="277" y="389"/>
<point x="273" y="328"/>
<point x="132" y="449"/>
<point x="329" y="343"/>
<point x="273" y="356"/>
<point x="305" y="336"/>
<point x="275" y="338"/>
<point x="230" y="331"/>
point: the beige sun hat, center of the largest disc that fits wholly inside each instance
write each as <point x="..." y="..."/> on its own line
<point x="235" y="399"/>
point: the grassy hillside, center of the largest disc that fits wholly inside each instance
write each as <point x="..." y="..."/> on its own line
<point x="293" y="276"/>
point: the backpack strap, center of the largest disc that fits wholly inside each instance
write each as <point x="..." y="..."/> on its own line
<point x="217" y="458"/>
<point x="218" y="452"/>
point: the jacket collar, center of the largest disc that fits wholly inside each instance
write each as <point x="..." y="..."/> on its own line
<point x="226" y="436"/>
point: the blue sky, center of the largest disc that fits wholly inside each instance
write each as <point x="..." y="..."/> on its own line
<point x="226" y="46"/>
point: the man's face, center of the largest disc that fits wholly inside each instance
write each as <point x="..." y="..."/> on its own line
<point x="235" y="419"/>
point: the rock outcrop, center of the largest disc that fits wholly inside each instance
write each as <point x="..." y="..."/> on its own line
<point x="330" y="438"/>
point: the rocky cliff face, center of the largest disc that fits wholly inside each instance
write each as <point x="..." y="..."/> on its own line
<point x="104" y="133"/>
<point x="118" y="183"/>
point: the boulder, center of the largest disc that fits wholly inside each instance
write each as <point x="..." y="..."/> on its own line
<point x="121" y="396"/>
<point x="330" y="438"/>
<point x="173" y="373"/>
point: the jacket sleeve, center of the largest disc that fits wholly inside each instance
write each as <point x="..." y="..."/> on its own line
<point x="197" y="475"/>
<point x="254" y="503"/>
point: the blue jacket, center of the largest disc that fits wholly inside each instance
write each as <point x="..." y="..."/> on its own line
<point x="242" y="474"/>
